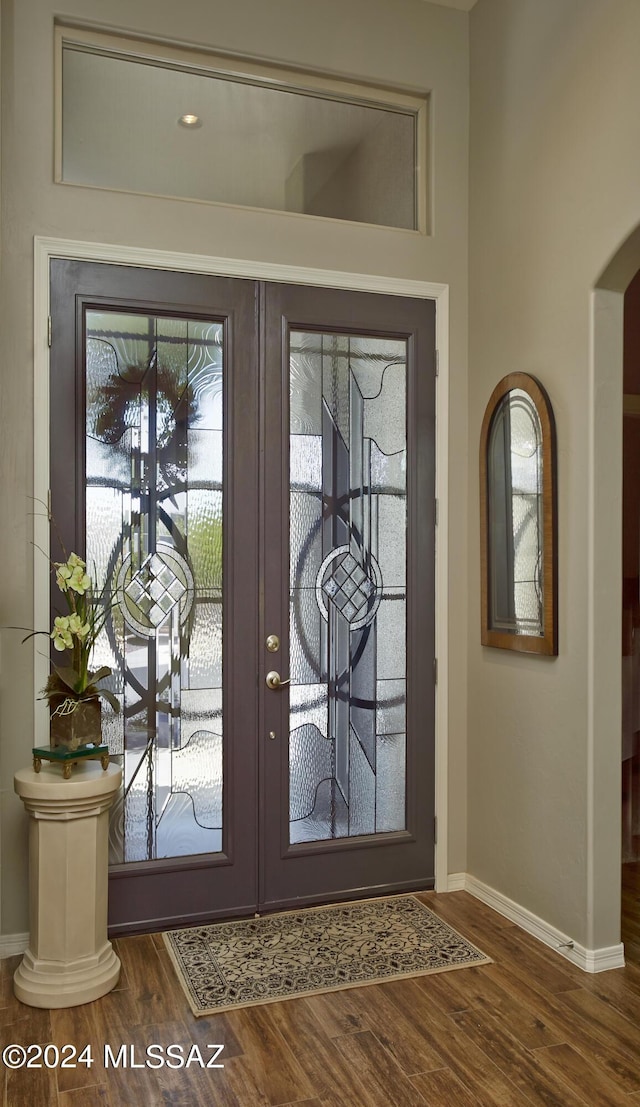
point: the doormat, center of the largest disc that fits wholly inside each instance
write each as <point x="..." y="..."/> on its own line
<point x="319" y="949"/>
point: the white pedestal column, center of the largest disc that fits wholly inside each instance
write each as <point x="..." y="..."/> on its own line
<point x="70" y="959"/>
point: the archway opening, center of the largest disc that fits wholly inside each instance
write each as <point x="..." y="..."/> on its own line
<point x="614" y="596"/>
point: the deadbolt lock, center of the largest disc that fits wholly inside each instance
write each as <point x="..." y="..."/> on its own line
<point x="273" y="643"/>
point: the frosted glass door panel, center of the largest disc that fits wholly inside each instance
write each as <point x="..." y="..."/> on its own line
<point x="348" y="527"/>
<point x="154" y="527"/>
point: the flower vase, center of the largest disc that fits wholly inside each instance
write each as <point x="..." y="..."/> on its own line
<point x="75" y="722"/>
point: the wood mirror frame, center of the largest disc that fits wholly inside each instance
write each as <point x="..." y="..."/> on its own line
<point x="511" y="631"/>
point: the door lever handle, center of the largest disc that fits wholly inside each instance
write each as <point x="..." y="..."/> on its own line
<point x="274" y="682"/>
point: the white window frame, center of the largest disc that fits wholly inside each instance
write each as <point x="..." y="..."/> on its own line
<point x="255" y="72"/>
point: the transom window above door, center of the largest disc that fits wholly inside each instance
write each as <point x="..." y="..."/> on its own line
<point x="139" y="117"/>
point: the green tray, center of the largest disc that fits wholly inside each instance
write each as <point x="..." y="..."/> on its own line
<point x="68" y="758"/>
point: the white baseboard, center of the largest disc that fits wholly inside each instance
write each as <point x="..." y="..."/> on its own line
<point x="11" y="944"/>
<point x="590" y="960"/>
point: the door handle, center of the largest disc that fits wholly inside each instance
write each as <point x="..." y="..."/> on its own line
<point x="274" y="682"/>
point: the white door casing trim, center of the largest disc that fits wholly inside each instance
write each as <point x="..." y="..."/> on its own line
<point x="604" y="675"/>
<point x="47" y="248"/>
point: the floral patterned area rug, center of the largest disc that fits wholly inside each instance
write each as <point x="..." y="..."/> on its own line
<point x="317" y="949"/>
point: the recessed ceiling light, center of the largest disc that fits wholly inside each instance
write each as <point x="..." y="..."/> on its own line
<point x="190" y="121"/>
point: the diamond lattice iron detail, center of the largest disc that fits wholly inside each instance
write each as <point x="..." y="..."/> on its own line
<point x="163" y="581"/>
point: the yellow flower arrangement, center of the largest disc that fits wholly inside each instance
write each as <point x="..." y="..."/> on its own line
<point x="77" y="632"/>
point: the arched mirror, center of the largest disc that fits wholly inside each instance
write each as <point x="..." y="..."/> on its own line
<point x="518" y="518"/>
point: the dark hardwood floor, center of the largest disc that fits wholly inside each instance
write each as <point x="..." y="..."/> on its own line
<point x="530" y="1028"/>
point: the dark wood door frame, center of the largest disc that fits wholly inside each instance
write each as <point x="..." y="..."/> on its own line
<point x="326" y="870"/>
<point x="142" y="894"/>
<point x="209" y="881"/>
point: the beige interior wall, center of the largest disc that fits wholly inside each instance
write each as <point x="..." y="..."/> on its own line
<point x="365" y="188"/>
<point x="554" y="191"/>
<point x="399" y="42"/>
<point x="1" y="267"/>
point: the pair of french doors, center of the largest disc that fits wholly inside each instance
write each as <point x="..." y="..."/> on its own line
<point x="249" y="468"/>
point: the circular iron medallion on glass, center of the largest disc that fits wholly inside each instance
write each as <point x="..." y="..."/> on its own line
<point x="162" y="582"/>
<point x="344" y="583"/>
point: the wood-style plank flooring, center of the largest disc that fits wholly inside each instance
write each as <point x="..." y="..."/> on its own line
<point x="530" y="1028"/>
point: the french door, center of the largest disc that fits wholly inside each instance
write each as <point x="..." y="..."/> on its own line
<point x="249" y="467"/>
